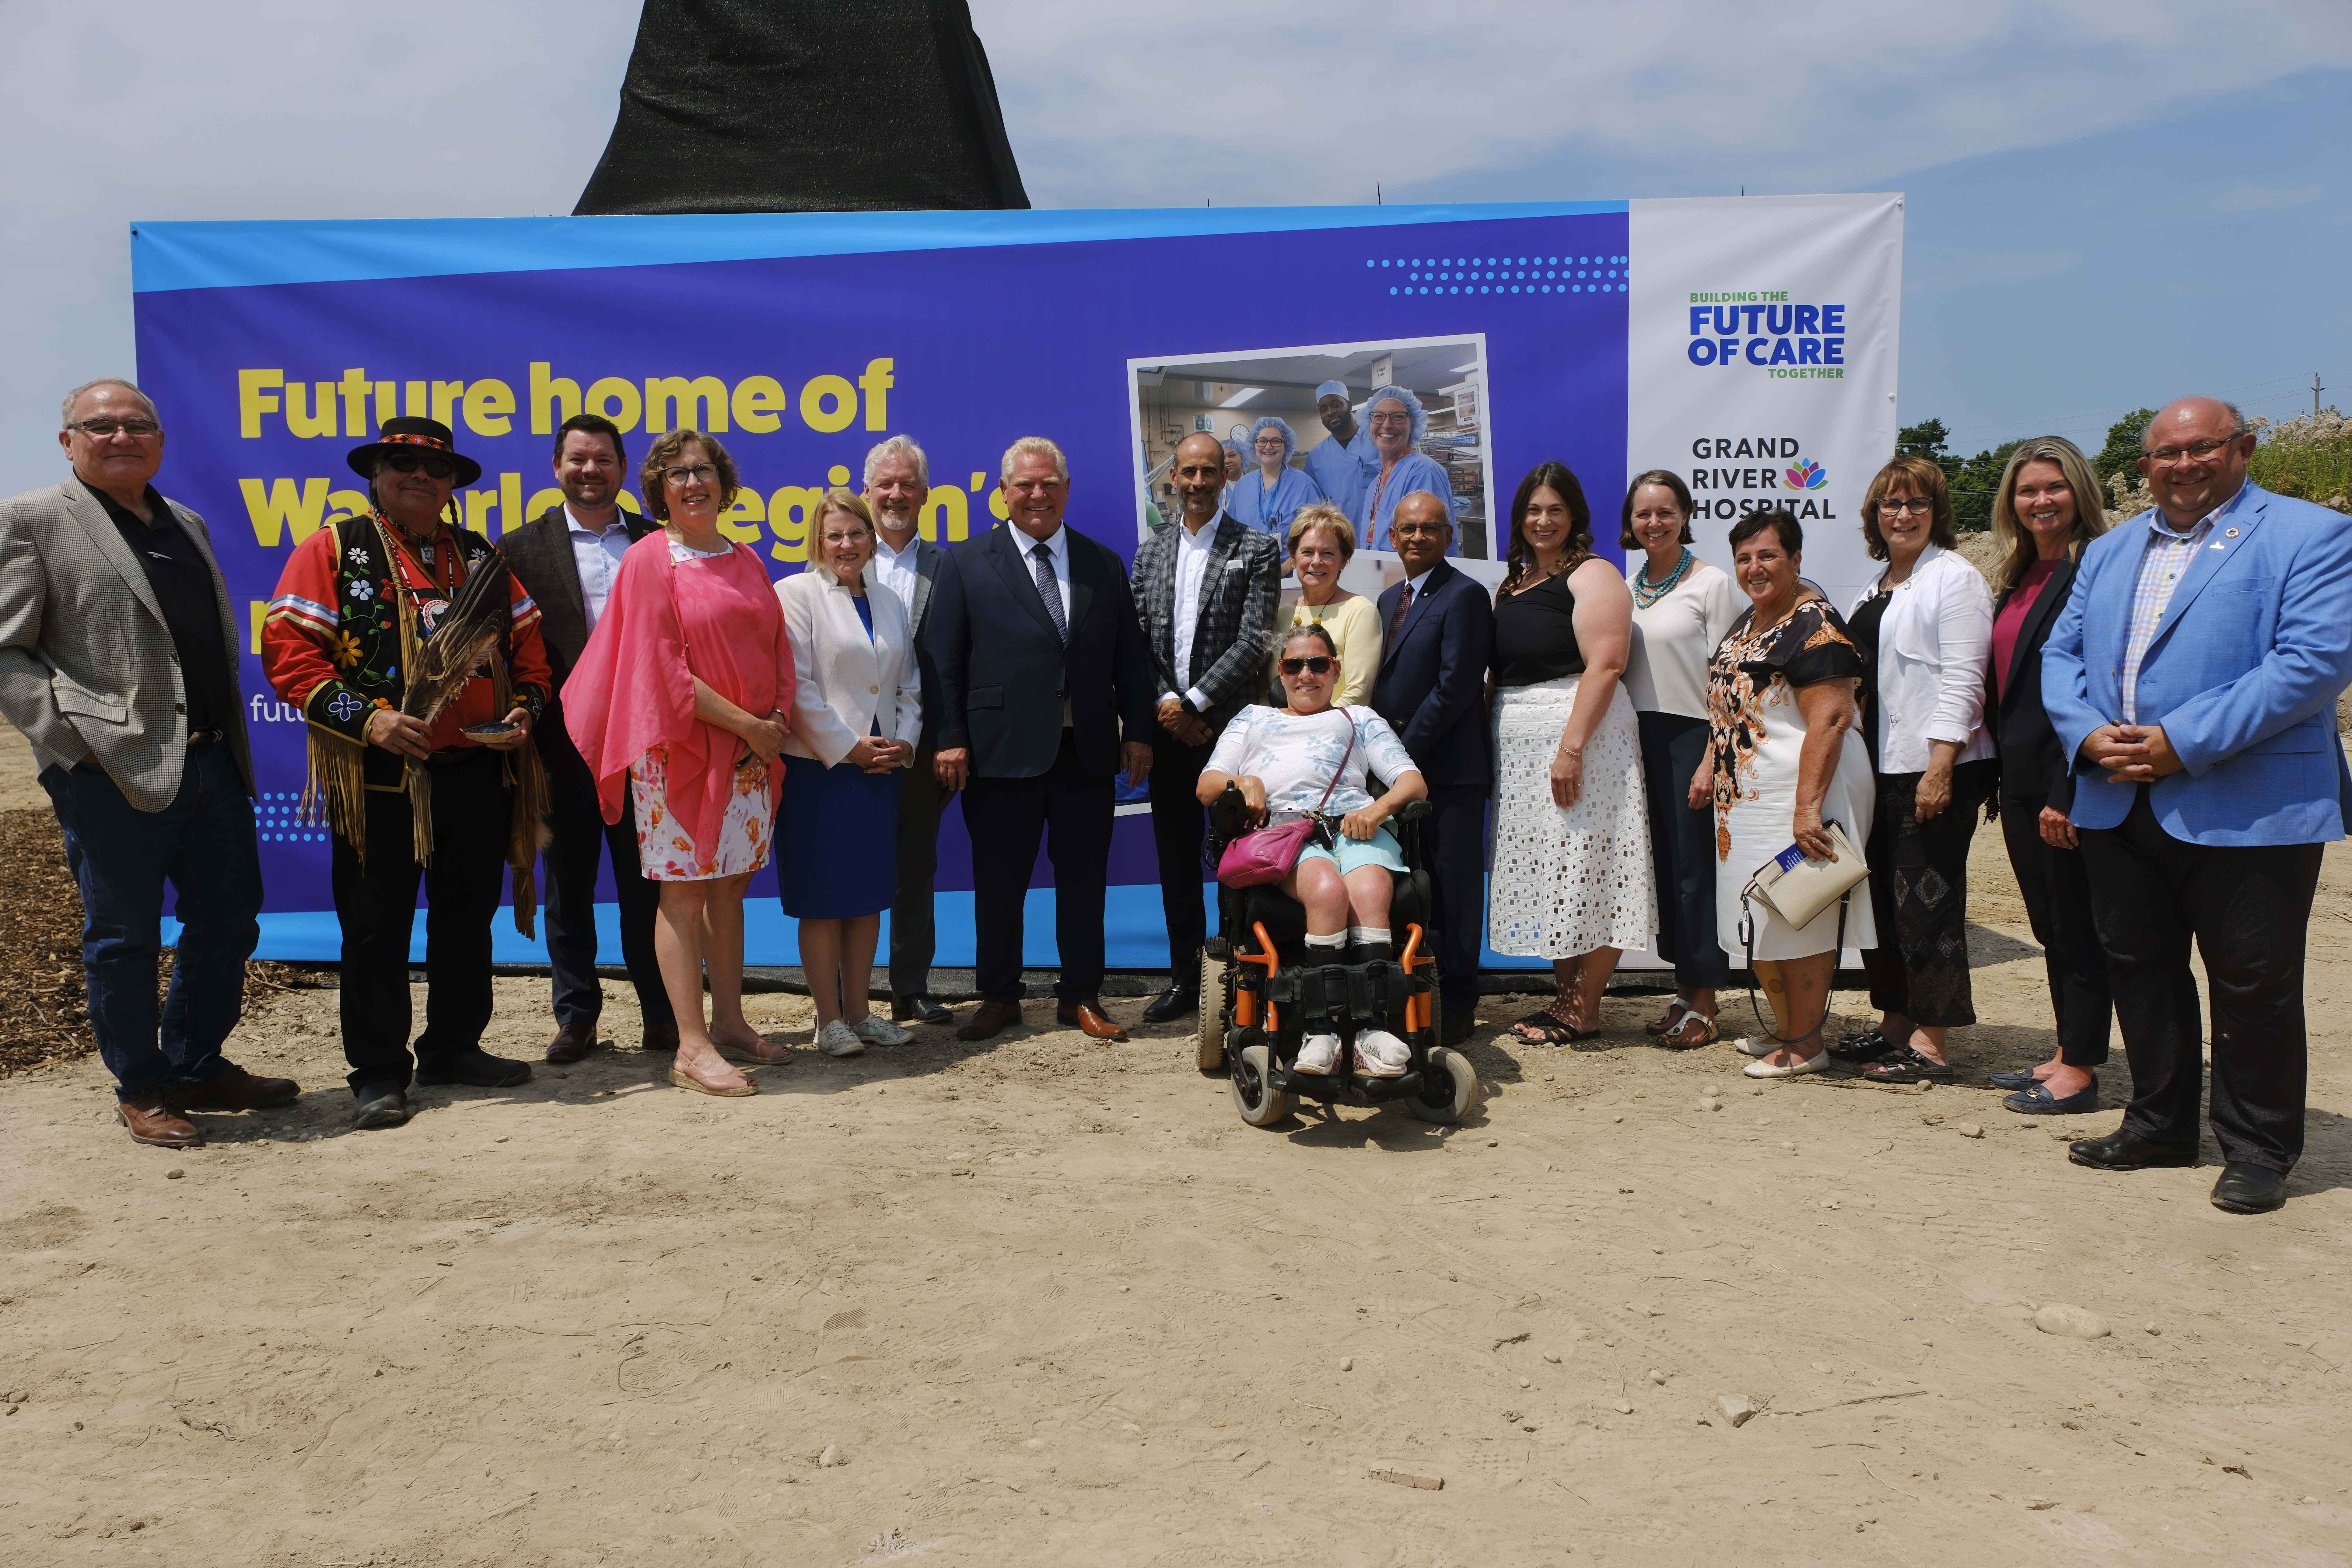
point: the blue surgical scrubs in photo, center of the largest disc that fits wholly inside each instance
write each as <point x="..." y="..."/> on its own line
<point x="1413" y="472"/>
<point x="1344" y="472"/>
<point x="1270" y="511"/>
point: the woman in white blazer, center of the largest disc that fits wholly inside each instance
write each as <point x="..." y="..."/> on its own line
<point x="1926" y="628"/>
<point x="857" y="708"/>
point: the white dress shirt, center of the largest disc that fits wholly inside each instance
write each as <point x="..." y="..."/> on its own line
<point x="895" y="569"/>
<point x="1193" y="546"/>
<point x="597" y="558"/>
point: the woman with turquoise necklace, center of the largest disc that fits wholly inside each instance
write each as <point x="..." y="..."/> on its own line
<point x="1682" y="607"/>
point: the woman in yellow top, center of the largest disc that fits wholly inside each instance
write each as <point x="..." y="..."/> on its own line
<point x="1321" y="541"/>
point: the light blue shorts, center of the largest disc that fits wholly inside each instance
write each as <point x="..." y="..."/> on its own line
<point x="1379" y="849"/>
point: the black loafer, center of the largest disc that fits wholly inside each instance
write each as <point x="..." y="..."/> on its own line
<point x="1176" y="1002"/>
<point x="476" y="1069"/>
<point x="2127" y="1152"/>
<point x="2038" y="1101"/>
<point x="917" y="1008"/>
<point x="2249" y="1189"/>
<point x="380" y="1107"/>
<point x="1862" y="1047"/>
<point x="2013" y="1080"/>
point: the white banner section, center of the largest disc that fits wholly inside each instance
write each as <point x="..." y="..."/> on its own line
<point x="1761" y="349"/>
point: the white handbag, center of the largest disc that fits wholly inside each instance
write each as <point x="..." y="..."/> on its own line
<point x="1798" y="889"/>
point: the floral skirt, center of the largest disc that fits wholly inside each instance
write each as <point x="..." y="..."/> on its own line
<point x="745" y="834"/>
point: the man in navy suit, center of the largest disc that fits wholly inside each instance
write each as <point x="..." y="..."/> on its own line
<point x="1045" y="690"/>
<point x="1438" y="631"/>
<point x="2192" y="680"/>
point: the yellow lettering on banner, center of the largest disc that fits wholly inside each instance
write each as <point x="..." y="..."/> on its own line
<point x="996" y="507"/>
<point x="445" y="401"/>
<point x="816" y="416"/>
<point x="355" y="390"/>
<point x="283" y="505"/>
<point x="511" y="502"/>
<point x="792" y="513"/>
<point x="979" y="481"/>
<point x="561" y="390"/>
<point x="628" y="504"/>
<point x="756" y="400"/>
<point x="740" y="521"/>
<point x="387" y="405"/>
<point x="254" y="399"/>
<point x="948" y="500"/>
<point x="877" y="384"/>
<point x="479" y="504"/>
<point x="346" y="506"/>
<point x="701" y="402"/>
<point x="298" y="421"/>
<point x="259" y="610"/>
<point x="600" y="401"/>
<point x="837" y="475"/>
<point x="413" y="399"/>
<point x="488" y="404"/>
<point x="542" y="499"/>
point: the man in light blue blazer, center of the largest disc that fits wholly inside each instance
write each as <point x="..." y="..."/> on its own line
<point x="2192" y="677"/>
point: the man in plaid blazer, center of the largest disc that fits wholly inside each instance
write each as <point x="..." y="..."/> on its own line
<point x="118" y="661"/>
<point x="1206" y="591"/>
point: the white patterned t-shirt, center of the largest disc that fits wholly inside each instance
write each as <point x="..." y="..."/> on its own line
<point x="1296" y="755"/>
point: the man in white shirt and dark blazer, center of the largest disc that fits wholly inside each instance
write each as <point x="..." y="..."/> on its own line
<point x="566" y="559"/>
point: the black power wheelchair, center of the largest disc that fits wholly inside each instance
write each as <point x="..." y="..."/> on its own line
<point x="1258" y="995"/>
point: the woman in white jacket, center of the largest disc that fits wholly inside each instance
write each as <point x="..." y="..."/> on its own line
<point x="1926" y="628"/>
<point x="857" y="710"/>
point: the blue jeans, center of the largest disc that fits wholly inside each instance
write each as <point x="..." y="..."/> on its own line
<point x="204" y="844"/>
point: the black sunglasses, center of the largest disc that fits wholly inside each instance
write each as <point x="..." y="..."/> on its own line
<point x="1321" y="664"/>
<point x="409" y="462"/>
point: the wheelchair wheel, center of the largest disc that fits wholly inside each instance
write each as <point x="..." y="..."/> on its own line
<point x="1210" y="1036"/>
<point x="1260" y="1104"/>
<point x="1449" y="1088"/>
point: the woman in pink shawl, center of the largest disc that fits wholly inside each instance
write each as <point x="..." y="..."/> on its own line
<point x="683" y="695"/>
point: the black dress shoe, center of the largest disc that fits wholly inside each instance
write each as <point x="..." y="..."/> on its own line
<point x="2249" y="1189"/>
<point x="1176" y="1002"/>
<point x="474" y="1068"/>
<point x="915" y="1007"/>
<point x="1456" y="1025"/>
<point x="661" y="1038"/>
<point x="380" y="1107"/>
<point x="1866" y="1047"/>
<point x="2127" y="1152"/>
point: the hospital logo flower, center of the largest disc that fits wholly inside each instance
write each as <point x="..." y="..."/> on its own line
<point x="1807" y="475"/>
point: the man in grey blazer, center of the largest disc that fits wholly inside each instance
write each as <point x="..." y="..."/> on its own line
<point x="566" y="559"/>
<point x="1206" y="591"/>
<point x="118" y="661"/>
<point x="898" y="483"/>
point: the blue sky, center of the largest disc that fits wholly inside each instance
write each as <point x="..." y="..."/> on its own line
<point x="2110" y="203"/>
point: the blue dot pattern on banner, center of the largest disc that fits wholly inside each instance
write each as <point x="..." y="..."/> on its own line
<point x="1553" y="275"/>
<point x="276" y="819"/>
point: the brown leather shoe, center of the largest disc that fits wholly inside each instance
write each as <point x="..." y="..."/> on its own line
<point x="571" y="1042"/>
<point x="989" y="1017"/>
<point x="236" y="1090"/>
<point x="662" y="1037"/>
<point x="1090" y="1019"/>
<point x="151" y="1120"/>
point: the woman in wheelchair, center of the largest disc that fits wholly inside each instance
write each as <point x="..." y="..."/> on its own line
<point x="1283" y="759"/>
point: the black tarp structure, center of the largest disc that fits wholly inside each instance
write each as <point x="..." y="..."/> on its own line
<point x="755" y="106"/>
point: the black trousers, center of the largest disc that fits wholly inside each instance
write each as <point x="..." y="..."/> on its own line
<point x="914" y="940"/>
<point x="1919" y="898"/>
<point x="579" y="837"/>
<point x="377" y="908"/>
<point x="1681" y="849"/>
<point x="1179" y="822"/>
<point x="1454" y="842"/>
<point x="2056" y="887"/>
<point x="1073" y="809"/>
<point x="2248" y="910"/>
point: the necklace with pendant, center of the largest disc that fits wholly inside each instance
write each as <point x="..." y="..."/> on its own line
<point x="1646" y="592"/>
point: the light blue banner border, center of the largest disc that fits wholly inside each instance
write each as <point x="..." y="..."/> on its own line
<point x="174" y="256"/>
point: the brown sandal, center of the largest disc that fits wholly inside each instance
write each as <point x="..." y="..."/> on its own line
<point x="691" y="1077"/>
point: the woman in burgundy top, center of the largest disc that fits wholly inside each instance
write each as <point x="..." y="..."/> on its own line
<point x="2046" y="509"/>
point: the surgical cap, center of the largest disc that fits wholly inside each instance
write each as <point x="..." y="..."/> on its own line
<point x="1412" y="405"/>
<point x="1282" y="428"/>
<point x="1332" y="389"/>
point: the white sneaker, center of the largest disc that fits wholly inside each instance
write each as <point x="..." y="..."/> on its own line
<point x="1379" y="1054"/>
<point x="837" y="1039"/>
<point x="1317" y="1054"/>
<point x="877" y="1030"/>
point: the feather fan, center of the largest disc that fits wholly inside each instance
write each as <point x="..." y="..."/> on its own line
<point x="467" y="635"/>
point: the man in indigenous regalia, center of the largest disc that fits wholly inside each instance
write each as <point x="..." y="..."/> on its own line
<point x="420" y="696"/>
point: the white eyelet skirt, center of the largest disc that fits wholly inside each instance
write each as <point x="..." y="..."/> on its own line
<point x="1565" y="883"/>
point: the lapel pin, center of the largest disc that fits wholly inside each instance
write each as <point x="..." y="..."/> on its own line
<point x="2229" y="533"/>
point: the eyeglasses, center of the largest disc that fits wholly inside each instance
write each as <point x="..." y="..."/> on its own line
<point x="2197" y="452"/>
<point x="1910" y="503"/>
<point x="1270" y="443"/>
<point x="409" y="462"/>
<point x="1321" y="664"/>
<point x="101" y="429"/>
<point x="704" y="472"/>
<point x="1387" y="420"/>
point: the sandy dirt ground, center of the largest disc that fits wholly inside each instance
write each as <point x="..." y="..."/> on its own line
<point x="1040" y="1301"/>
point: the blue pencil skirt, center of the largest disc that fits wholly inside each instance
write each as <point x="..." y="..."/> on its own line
<point x="836" y="841"/>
